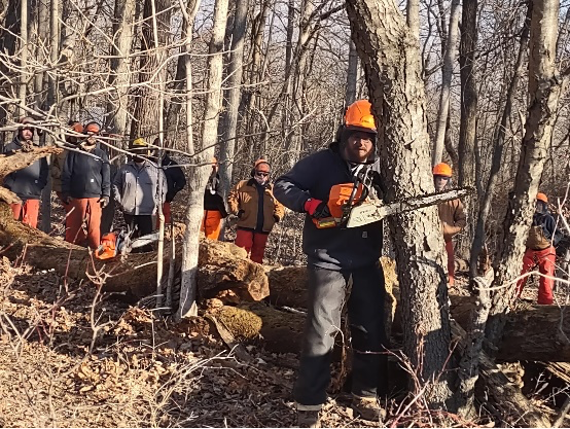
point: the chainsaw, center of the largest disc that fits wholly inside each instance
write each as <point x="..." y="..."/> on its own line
<point x="352" y="205"/>
<point x="120" y="243"/>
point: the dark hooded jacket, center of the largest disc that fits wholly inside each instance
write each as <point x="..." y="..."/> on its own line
<point x="28" y="182"/>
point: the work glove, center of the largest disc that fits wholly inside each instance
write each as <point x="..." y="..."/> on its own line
<point x="104" y="201"/>
<point x="240" y="213"/>
<point x="317" y="209"/>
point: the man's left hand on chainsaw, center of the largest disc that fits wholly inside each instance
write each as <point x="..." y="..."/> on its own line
<point x="317" y="209"/>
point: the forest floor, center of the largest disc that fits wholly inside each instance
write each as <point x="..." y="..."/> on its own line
<point x="71" y="357"/>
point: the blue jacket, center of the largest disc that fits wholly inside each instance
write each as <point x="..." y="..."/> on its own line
<point x="335" y="248"/>
<point x="28" y="182"/>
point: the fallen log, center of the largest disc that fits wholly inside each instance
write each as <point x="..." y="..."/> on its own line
<point x="222" y="265"/>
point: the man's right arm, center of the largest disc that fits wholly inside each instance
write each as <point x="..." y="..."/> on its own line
<point x="293" y="188"/>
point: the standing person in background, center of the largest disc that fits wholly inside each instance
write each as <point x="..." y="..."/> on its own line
<point x="257" y="210"/>
<point x="451" y="214"/>
<point x="86" y="186"/>
<point x="72" y="137"/>
<point x="214" y="207"/>
<point x="139" y="188"/>
<point x="28" y="182"/>
<point x="543" y="236"/>
<point x="174" y="178"/>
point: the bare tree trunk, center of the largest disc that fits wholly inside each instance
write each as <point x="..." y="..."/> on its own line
<point x="352" y="76"/>
<point x="468" y="125"/>
<point x="146" y="112"/>
<point x="183" y="76"/>
<point x="294" y="135"/>
<point x="120" y="76"/>
<point x="22" y="90"/>
<point x="200" y="173"/>
<point x="447" y="74"/>
<point x="544" y="91"/>
<point x="498" y="146"/>
<point x="469" y="97"/>
<point x="235" y="72"/>
<point x="413" y="17"/>
<point x="379" y="32"/>
<point x="52" y="103"/>
<point x="8" y="37"/>
<point x="42" y="34"/>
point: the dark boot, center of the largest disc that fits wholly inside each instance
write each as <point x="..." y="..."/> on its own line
<point x="368" y="408"/>
<point x="308" y="416"/>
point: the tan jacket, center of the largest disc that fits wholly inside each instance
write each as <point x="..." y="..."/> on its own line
<point x="452" y="218"/>
<point x="243" y="201"/>
<point x="57" y="162"/>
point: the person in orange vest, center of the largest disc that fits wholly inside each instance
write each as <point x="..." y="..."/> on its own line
<point x="451" y="214"/>
<point x="86" y="185"/>
<point x="57" y="162"/>
<point x="214" y="207"/>
<point x="257" y="210"/>
<point x="27" y="183"/>
<point x="540" y="250"/>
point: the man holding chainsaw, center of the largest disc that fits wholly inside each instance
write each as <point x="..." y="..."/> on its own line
<point x="325" y="185"/>
<point x="451" y="215"/>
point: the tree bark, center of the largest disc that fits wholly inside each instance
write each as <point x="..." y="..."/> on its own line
<point x="544" y="89"/>
<point x="199" y="174"/>
<point x="386" y="48"/>
<point x="352" y="76"/>
<point x="469" y="96"/>
<point x="22" y="89"/>
<point x="447" y="74"/>
<point x="147" y="112"/>
<point x="235" y="72"/>
<point x="120" y="76"/>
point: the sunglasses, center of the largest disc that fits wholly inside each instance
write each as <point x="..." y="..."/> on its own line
<point x="261" y="174"/>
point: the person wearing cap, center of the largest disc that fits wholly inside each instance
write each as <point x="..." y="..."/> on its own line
<point x="27" y="183"/>
<point x="257" y="210"/>
<point x="451" y="214"/>
<point x="540" y="250"/>
<point x="214" y="207"/>
<point x="175" y="179"/>
<point x="139" y="188"/>
<point x="86" y="186"/>
<point x="336" y="257"/>
<point x="71" y="138"/>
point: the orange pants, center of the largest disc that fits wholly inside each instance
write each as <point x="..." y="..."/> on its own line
<point x="167" y="215"/>
<point x="252" y="242"/>
<point x="546" y="260"/>
<point x="86" y="210"/>
<point x="212" y="224"/>
<point x="450" y="262"/>
<point x="27" y="212"/>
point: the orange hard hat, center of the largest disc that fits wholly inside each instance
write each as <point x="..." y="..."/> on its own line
<point x="262" y="165"/>
<point x="542" y="197"/>
<point x="442" y="169"/>
<point x="359" y="117"/>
